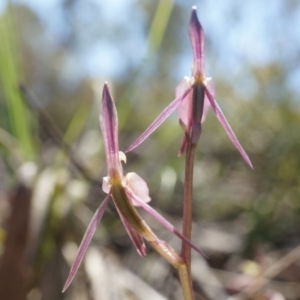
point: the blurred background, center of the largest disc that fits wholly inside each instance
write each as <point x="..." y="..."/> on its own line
<point x="54" y="55"/>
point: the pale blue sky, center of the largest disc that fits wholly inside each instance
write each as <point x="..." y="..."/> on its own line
<point x="257" y="33"/>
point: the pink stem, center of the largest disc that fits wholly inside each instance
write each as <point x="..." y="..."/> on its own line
<point x="188" y="201"/>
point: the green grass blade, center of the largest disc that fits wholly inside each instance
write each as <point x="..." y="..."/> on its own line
<point x="159" y="24"/>
<point x="14" y="112"/>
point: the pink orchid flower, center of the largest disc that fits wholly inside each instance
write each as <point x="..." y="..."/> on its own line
<point x="127" y="191"/>
<point x="194" y="96"/>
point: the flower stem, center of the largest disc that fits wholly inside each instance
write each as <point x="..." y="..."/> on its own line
<point x="186" y="282"/>
<point x="134" y="220"/>
<point x="169" y="254"/>
<point x="187" y="203"/>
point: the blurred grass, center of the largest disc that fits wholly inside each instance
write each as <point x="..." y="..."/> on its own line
<point x="156" y="34"/>
<point x="14" y="114"/>
<point x="159" y="24"/>
<point x="260" y="208"/>
<point x="73" y="131"/>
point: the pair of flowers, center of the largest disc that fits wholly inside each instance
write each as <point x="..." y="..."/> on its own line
<point x="193" y="98"/>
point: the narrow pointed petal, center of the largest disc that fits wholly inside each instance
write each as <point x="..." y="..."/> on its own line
<point x="227" y="127"/>
<point x="86" y="240"/>
<point x="165" y="113"/>
<point x="162" y="220"/>
<point x="197" y="39"/>
<point x="185" y="107"/>
<point x="109" y="128"/>
<point x="184" y="111"/>
<point x="211" y="88"/>
<point x="136" y="239"/>
<point x="138" y="186"/>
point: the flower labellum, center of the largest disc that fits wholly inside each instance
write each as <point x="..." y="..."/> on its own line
<point x="193" y="98"/>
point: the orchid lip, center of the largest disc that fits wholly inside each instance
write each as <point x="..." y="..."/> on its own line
<point x="197" y="112"/>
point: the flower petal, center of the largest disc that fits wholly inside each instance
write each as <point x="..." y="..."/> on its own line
<point x="109" y="128"/>
<point x="162" y="220"/>
<point x="190" y="111"/>
<point x="184" y="110"/>
<point x="227" y="127"/>
<point x="86" y="240"/>
<point x="136" y="239"/>
<point x="185" y="107"/>
<point x="211" y="87"/>
<point x="122" y="157"/>
<point x="138" y="186"/>
<point x="106" y="185"/>
<point x="197" y="39"/>
<point x="165" y="113"/>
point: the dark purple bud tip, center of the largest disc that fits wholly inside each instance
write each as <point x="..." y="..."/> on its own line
<point x="194" y="21"/>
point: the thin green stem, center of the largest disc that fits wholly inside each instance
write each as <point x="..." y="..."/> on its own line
<point x="14" y="112"/>
<point x="186" y="281"/>
<point x="130" y="214"/>
<point x="170" y="255"/>
<point x="188" y="201"/>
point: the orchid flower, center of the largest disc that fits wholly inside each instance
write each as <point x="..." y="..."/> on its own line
<point x="194" y="96"/>
<point x="127" y="192"/>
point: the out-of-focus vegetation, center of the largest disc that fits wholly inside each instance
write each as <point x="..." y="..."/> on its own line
<point x="53" y="56"/>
